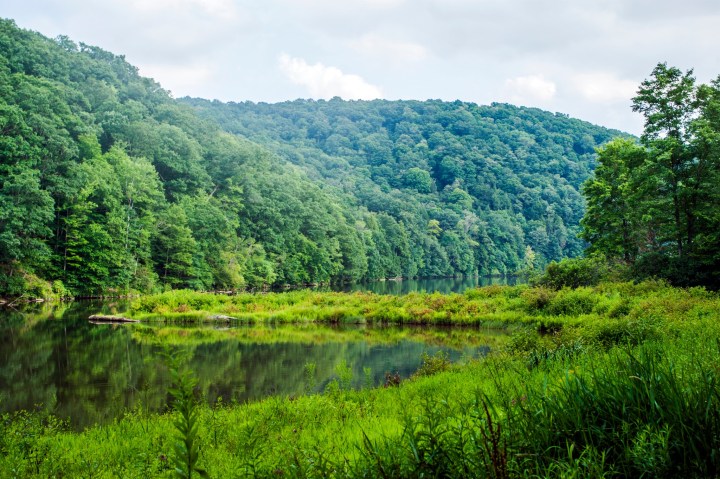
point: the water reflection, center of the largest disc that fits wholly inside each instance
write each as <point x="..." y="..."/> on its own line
<point x="52" y="357"/>
<point x="429" y="285"/>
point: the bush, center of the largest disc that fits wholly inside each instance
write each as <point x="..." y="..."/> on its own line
<point x="486" y="292"/>
<point x="437" y="363"/>
<point x="574" y="273"/>
<point x="572" y="302"/>
<point x="538" y="298"/>
<point x="59" y="290"/>
<point x="622" y="332"/>
<point x="37" y="288"/>
<point x="685" y="271"/>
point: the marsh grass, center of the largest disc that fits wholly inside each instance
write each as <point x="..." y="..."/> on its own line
<point x="547" y="310"/>
<point x="651" y="411"/>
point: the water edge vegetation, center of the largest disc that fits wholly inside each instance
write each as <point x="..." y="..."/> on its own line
<point x="622" y="382"/>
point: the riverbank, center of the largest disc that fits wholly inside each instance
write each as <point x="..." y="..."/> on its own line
<point x="623" y="382"/>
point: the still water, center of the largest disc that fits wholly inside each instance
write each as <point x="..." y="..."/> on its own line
<point x="429" y="285"/>
<point x="52" y="358"/>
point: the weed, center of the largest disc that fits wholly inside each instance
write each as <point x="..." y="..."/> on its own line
<point x="186" y="452"/>
<point x="437" y="363"/>
<point x="310" y="382"/>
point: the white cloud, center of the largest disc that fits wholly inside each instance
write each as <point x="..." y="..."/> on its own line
<point x="531" y="89"/>
<point x="326" y="82"/>
<point x="348" y="4"/>
<point x="180" y="80"/>
<point x="393" y="50"/>
<point x="222" y="9"/>
<point x="604" y="87"/>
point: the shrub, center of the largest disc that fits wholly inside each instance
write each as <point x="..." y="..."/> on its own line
<point x="572" y="302"/>
<point x="576" y="272"/>
<point x="37" y="288"/>
<point x="59" y="290"/>
<point x="622" y="331"/>
<point x="538" y="298"/>
<point x="486" y="291"/>
<point x="434" y="364"/>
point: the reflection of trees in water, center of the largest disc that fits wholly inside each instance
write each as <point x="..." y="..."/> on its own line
<point x="55" y="358"/>
<point x="244" y="372"/>
<point x="441" y="285"/>
<point x="93" y="373"/>
<point x="26" y="366"/>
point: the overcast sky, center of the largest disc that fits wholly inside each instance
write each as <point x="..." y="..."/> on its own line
<point x="581" y="57"/>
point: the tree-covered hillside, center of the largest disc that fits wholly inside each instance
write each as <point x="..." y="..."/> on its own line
<point x="108" y="184"/>
<point x="485" y="189"/>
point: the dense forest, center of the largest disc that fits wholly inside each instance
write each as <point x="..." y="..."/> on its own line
<point x="486" y="189"/>
<point x="108" y="184"/>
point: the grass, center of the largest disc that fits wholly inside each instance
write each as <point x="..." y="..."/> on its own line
<point x="623" y="382"/>
<point x="318" y="333"/>
<point x="328" y="307"/>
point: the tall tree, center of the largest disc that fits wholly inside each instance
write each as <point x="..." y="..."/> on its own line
<point x="610" y="223"/>
<point x="25" y="214"/>
<point x="667" y="100"/>
<point x="175" y="248"/>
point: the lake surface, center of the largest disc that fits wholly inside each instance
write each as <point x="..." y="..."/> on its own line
<point x="429" y="285"/>
<point x="52" y="358"/>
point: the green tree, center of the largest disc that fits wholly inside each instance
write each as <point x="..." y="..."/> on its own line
<point x="141" y="196"/>
<point x="667" y="100"/>
<point x="611" y="223"/>
<point x="418" y="179"/>
<point x="174" y="248"/>
<point x="26" y="211"/>
<point x="656" y="205"/>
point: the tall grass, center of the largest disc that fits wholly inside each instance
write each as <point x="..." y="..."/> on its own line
<point x="653" y="411"/>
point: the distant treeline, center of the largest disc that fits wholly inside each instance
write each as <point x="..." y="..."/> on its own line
<point x="108" y="184"/>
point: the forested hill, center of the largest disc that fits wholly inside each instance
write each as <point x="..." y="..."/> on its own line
<point x="475" y="188"/>
<point x="108" y="184"/>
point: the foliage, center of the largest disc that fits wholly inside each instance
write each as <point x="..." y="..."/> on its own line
<point x="576" y="272"/>
<point x="437" y="363"/>
<point x="453" y="187"/>
<point x="186" y="452"/>
<point x="653" y="205"/>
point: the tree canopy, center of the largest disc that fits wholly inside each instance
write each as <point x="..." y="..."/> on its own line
<point x="655" y="204"/>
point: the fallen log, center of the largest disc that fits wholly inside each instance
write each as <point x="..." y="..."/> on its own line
<point x="109" y="319"/>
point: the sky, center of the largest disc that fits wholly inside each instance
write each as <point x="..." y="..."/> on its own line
<point x="584" y="58"/>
